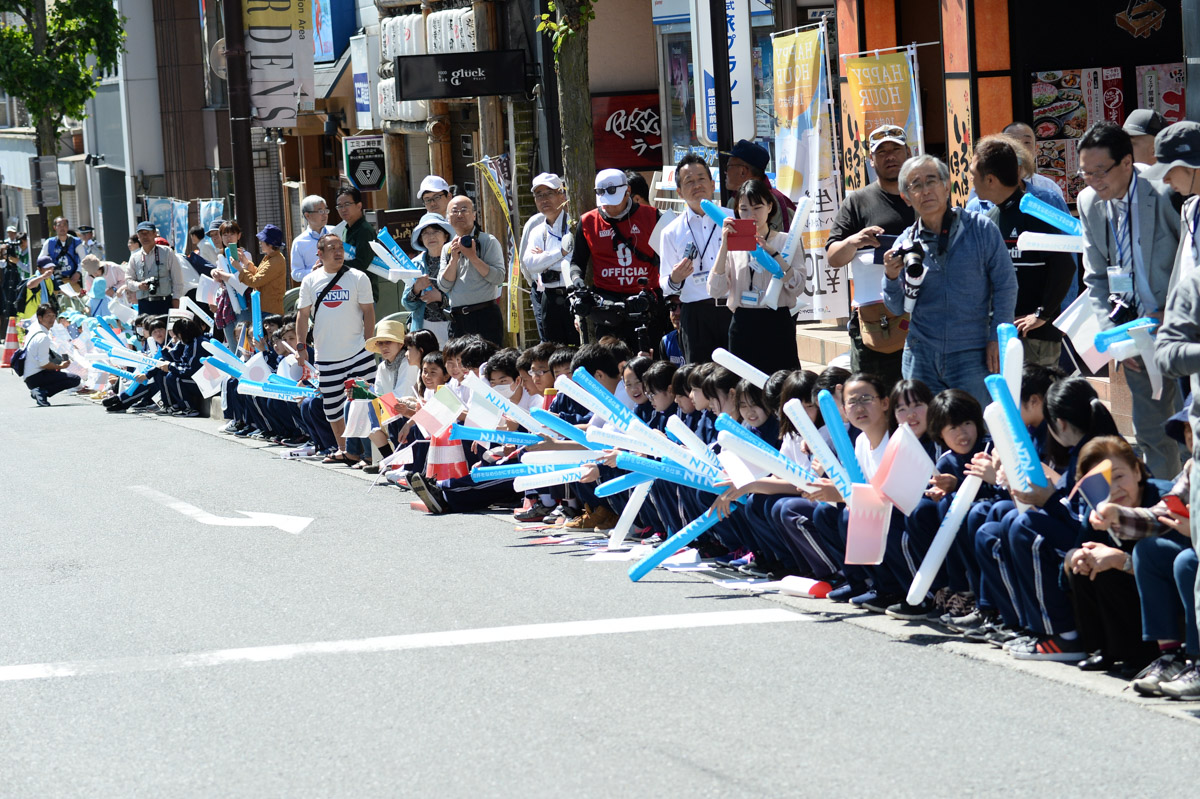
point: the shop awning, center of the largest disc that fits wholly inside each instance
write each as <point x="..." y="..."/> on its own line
<point x="327" y="77"/>
<point x="17" y="146"/>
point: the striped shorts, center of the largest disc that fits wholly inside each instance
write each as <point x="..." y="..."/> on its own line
<point x="334" y="375"/>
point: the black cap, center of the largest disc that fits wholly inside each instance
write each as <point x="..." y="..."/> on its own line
<point x="1175" y="145"/>
<point x="1144" y="122"/>
<point x="147" y="226"/>
<point x="85" y="229"/>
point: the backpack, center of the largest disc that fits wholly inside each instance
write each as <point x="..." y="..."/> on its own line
<point x="18" y="362"/>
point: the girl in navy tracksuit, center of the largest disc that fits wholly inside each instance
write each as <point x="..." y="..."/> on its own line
<point x="181" y="396"/>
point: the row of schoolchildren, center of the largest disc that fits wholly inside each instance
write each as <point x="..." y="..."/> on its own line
<point x="1037" y="573"/>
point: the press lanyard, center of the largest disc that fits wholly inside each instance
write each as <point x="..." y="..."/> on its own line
<point x="548" y="231"/>
<point x="1132" y="195"/>
<point x="707" y="241"/>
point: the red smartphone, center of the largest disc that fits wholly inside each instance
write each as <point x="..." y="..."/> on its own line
<point x="743" y="237"/>
<point x="1176" y="506"/>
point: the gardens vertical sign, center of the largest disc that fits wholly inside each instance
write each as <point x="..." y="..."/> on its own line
<point x="279" y="59"/>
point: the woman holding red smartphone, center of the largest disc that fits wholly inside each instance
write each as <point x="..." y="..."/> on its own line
<point x="762" y="331"/>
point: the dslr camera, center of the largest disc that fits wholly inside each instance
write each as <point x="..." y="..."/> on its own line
<point x="912" y="255"/>
<point x="152" y="286"/>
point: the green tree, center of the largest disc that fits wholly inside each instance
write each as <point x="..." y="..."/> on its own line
<point x="567" y="27"/>
<point x="54" y="60"/>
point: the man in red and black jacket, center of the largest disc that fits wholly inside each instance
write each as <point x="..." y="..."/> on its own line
<point x="615" y="238"/>
<point x="1043" y="278"/>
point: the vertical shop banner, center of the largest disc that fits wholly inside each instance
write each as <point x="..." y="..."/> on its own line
<point x="960" y="146"/>
<point x="210" y="211"/>
<point x="740" y="66"/>
<point x="1160" y="87"/>
<point x="161" y="212"/>
<point x="279" y="59"/>
<point x="360" y="70"/>
<point x="1065" y="104"/>
<point x="880" y="90"/>
<point x="497" y="173"/>
<point x="804" y="146"/>
<point x="179" y="231"/>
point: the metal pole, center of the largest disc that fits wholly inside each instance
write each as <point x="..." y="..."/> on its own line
<point x="239" y="125"/>
<point x="720" y="68"/>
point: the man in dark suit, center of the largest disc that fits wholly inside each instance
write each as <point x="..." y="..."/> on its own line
<point x="1130" y="234"/>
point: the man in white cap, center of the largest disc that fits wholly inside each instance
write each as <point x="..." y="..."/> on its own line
<point x="10" y="236"/>
<point x="615" y="238"/>
<point x="435" y="194"/>
<point x="546" y="247"/>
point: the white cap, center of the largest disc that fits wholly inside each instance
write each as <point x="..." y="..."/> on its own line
<point x="611" y="179"/>
<point x="180" y="313"/>
<point x="548" y="179"/>
<point x="434" y="184"/>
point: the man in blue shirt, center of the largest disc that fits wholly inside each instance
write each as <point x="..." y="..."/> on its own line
<point x="63" y="249"/>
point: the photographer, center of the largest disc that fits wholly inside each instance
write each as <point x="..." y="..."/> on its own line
<point x="1130" y="235"/>
<point x="966" y="283"/>
<point x="614" y="238"/>
<point x="472" y="274"/>
<point x="150" y="270"/>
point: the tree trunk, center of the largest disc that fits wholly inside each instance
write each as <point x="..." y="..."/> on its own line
<point x="575" y="120"/>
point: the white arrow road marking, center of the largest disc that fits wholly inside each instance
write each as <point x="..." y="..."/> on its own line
<point x="288" y="524"/>
<point x="397" y="643"/>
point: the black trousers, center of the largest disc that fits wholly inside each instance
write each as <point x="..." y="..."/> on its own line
<point x="1108" y="616"/>
<point x="487" y="322"/>
<point x="704" y="326"/>
<point x="48" y="382"/>
<point x="552" y="312"/>
<point x="765" y="338"/>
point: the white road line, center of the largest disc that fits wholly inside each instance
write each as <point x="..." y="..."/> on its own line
<point x="398" y="643"/>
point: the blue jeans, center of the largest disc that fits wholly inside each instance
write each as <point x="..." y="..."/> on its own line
<point x="1165" y="569"/>
<point x="943" y="370"/>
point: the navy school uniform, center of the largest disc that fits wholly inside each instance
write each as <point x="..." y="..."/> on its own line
<point x="179" y="390"/>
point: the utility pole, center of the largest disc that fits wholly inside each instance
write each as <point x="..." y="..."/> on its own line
<point x="240" y="120"/>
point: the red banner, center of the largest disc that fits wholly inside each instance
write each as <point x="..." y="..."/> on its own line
<point x="627" y="131"/>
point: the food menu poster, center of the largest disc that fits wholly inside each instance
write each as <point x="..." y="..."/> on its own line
<point x="1065" y="104"/>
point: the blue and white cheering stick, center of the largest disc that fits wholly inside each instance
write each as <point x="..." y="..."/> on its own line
<point x="820" y="450"/>
<point x="700" y="525"/>
<point x="556" y="478"/>
<point x="771" y="299"/>
<point x="562" y="457"/>
<point x="1049" y="242"/>
<point x="622" y="483"/>
<point x="610" y="437"/>
<point x="1027" y="463"/>
<point x="460" y="433"/>
<point x="143" y="372"/>
<point x="752" y="448"/>
<point x="227" y="368"/>
<point x="691" y="442"/>
<point x="841" y="439"/>
<point x="284" y="392"/>
<point x="1012" y="356"/>
<point x="1051" y="215"/>
<point x="511" y="471"/>
<point x="395" y="256"/>
<point x="256" y="314"/>
<point x="1131" y="340"/>
<point x="740" y="367"/>
<point x="121" y="373"/>
<point x="562" y="427"/>
<point x="518" y="414"/>
<point x="671" y="472"/>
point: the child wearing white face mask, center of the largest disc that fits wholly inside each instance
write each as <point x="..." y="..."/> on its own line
<point x="502" y="373"/>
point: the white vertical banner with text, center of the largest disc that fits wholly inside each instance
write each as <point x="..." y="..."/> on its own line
<point x="740" y="68"/>
<point x="804" y="146"/>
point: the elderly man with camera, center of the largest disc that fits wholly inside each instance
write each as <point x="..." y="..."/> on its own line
<point x="952" y="272"/>
<point x="150" y="275"/>
<point x="472" y="274"/>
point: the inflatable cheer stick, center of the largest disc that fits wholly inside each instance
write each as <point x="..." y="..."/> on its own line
<point x="561" y="457"/>
<point x="1005" y="449"/>
<point x="723" y="357"/>
<point x="841" y="439"/>
<point x="619" y="485"/>
<point x="821" y="451"/>
<point x="1051" y="215"/>
<point x="610" y="438"/>
<point x="603" y="402"/>
<point x="1115" y="335"/>
<point x="778" y="465"/>
<point x="121" y="373"/>
<point x="403" y="262"/>
<point x="554" y="424"/>
<point x="1004" y="333"/>
<point x="718" y="214"/>
<point x="672" y="473"/>
<point x="511" y="471"/>
<point x="227" y="368"/>
<point x="632" y="507"/>
<point x="691" y="442"/>
<point x="944" y="539"/>
<point x="1049" y="242"/>
<point x="547" y="479"/>
<point x="505" y="406"/>
<point x="768" y="457"/>
<point x="276" y="390"/>
<point x="1024" y="451"/>
<point x="700" y="525"/>
<point x="256" y="314"/>
<point x="461" y="433"/>
<point x="1012" y="357"/>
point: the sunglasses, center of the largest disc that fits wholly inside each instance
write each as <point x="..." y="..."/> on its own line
<point x="610" y="191"/>
<point x="889" y="132"/>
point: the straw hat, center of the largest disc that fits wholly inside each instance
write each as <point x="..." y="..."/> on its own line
<point x="386" y="331"/>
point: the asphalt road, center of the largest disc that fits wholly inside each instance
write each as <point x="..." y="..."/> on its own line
<point x="178" y="671"/>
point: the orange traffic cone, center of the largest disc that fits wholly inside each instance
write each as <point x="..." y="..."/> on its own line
<point x="10" y="343"/>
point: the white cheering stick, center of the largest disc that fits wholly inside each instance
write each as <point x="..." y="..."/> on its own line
<point x="608" y="437"/>
<point x="506" y="407"/>
<point x="659" y="447"/>
<point x="733" y="363"/>
<point x="677" y="428"/>
<point x="1049" y="242"/>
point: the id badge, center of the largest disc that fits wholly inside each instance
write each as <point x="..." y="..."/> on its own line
<point x="1119" y="281"/>
<point x="751" y="299"/>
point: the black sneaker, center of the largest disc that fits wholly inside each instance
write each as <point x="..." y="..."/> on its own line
<point x="971" y="621"/>
<point x="431" y="495"/>
<point x="1049" y="647"/>
<point x="1166" y="668"/>
<point x="1185" y="686"/>
<point x="39" y="398"/>
<point x="881" y="602"/>
<point x="906" y="612"/>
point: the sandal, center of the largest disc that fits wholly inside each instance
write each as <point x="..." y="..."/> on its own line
<point x="340" y="457"/>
